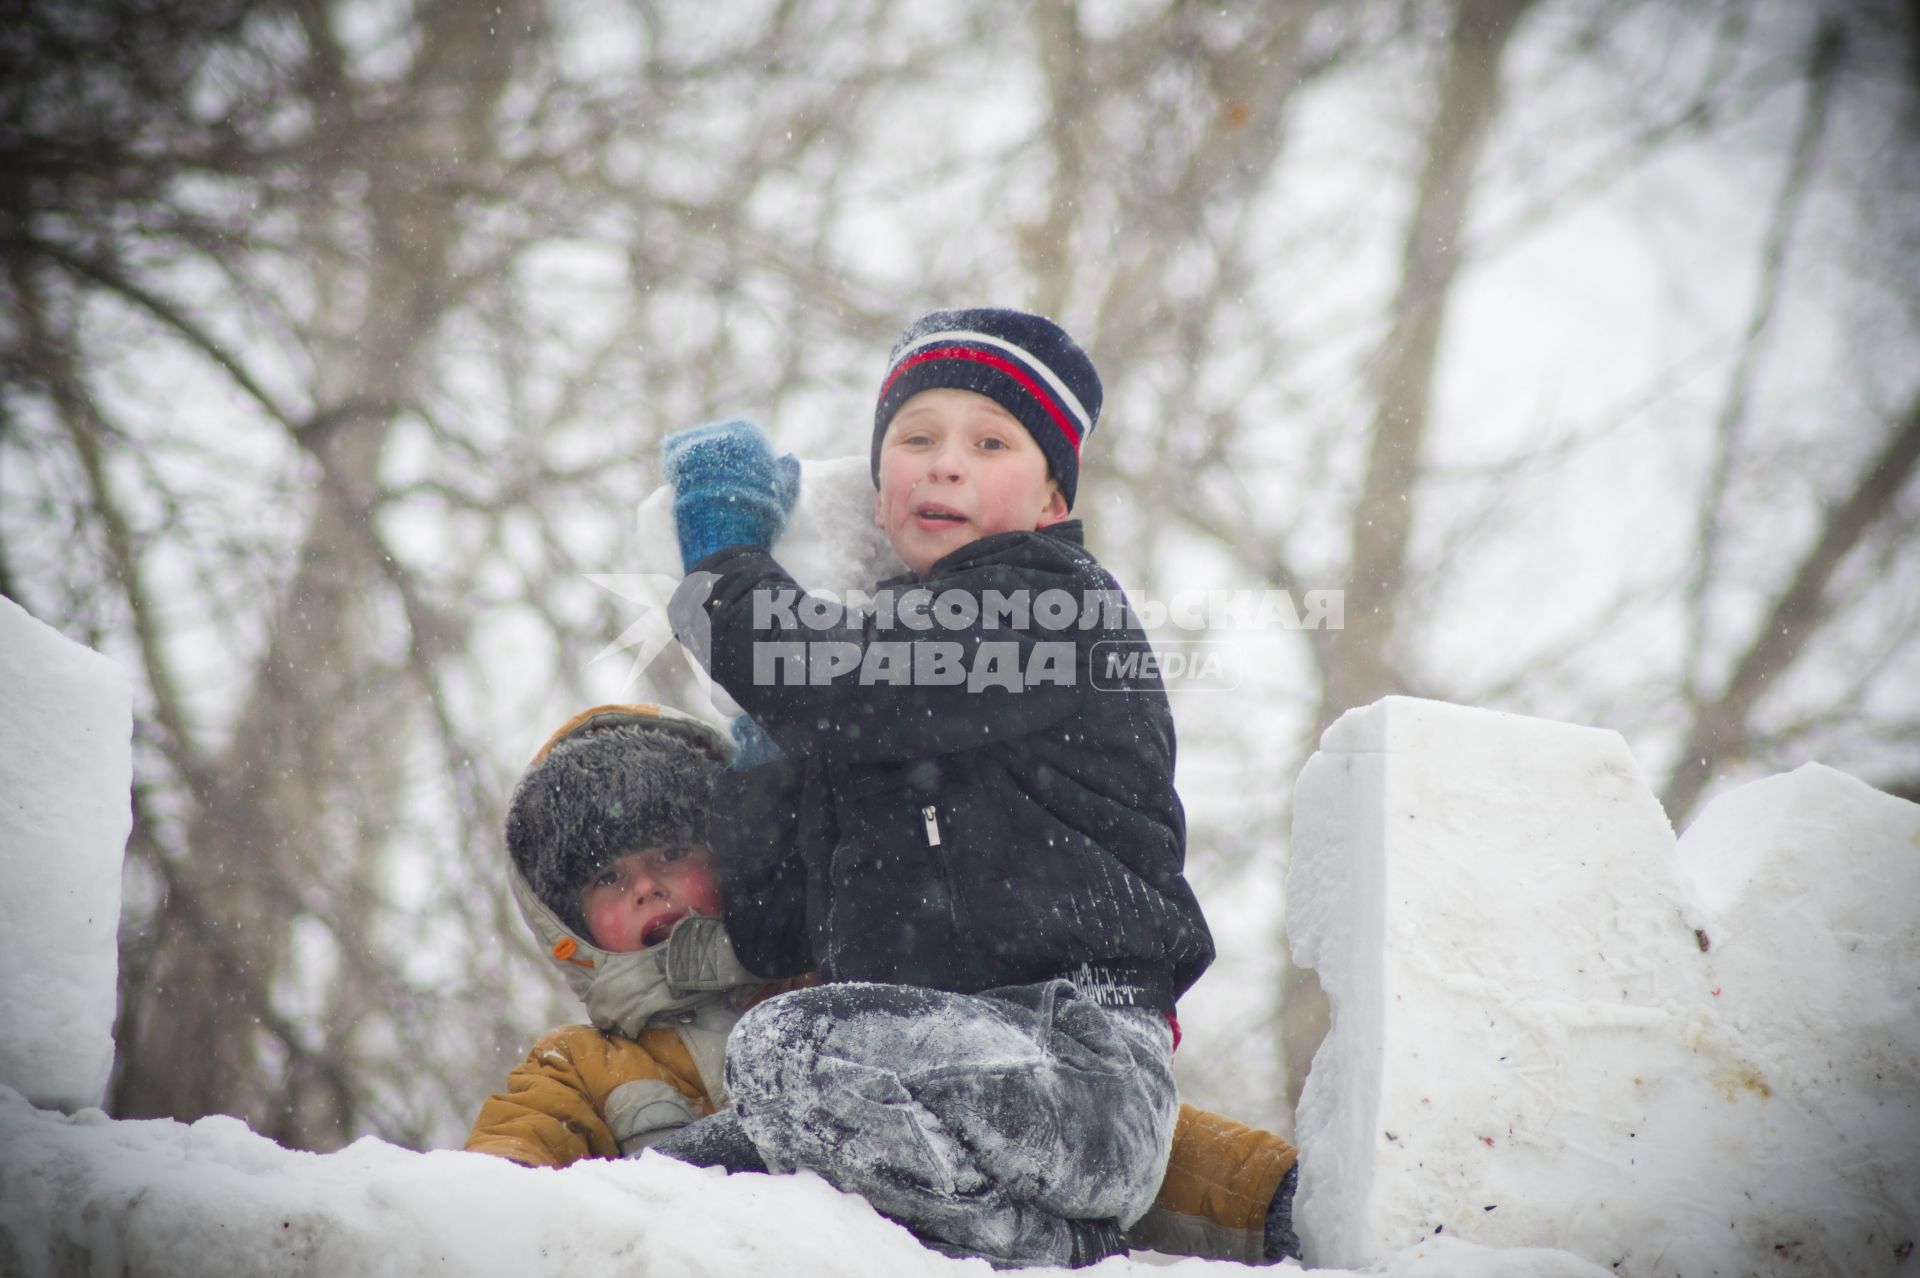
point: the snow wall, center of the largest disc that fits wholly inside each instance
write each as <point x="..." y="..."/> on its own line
<point x="1553" y="1027"/>
<point x="66" y="778"/>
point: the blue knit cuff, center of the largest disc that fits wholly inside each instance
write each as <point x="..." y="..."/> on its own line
<point x="1281" y="1241"/>
<point x="752" y="745"/>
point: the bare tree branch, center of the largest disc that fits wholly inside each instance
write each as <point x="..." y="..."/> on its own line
<point x="1360" y="664"/>
<point x="1718" y="730"/>
<point x="84" y="429"/>
<point x="1728" y="429"/>
<point x="172" y="316"/>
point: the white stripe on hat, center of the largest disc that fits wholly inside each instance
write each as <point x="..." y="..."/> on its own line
<point x="1047" y="375"/>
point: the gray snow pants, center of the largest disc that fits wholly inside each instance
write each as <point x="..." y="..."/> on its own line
<point x="983" y="1121"/>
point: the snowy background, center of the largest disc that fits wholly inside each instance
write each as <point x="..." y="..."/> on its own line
<point x="1735" y="1090"/>
<point x="1573" y="340"/>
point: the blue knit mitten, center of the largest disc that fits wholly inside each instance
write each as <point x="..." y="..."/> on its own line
<point x="728" y="488"/>
<point x="751" y="744"/>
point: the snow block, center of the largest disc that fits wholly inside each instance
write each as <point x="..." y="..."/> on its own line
<point x="66" y="775"/>
<point x="1542" y="1035"/>
<point x="1511" y="959"/>
<point x="1812" y="882"/>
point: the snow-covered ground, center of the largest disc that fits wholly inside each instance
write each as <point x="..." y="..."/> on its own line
<point x="88" y="1195"/>
<point x="1562" y="1044"/>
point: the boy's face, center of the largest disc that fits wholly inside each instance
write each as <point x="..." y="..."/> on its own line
<point x="634" y="902"/>
<point x="956" y="467"/>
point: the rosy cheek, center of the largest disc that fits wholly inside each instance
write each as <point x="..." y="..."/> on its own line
<point x="700" y="890"/>
<point x="602" y="917"/>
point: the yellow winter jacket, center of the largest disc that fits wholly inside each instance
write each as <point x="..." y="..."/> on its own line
<point x="553" y="1111"/>
<point x="584" y="1092"/>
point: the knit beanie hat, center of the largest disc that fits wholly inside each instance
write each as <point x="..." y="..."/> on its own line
<point x="1025" y="363"/>
<point x="614" y="786"/>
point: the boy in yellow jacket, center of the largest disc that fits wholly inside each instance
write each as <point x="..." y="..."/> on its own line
<point x="608" y="862"/>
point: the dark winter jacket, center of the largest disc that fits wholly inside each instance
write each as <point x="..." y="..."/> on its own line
<point x="958" y="835"/>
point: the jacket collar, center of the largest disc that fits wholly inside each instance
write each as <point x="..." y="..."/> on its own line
<point x="694" y="967"/>
<point x="1071" y="531"/>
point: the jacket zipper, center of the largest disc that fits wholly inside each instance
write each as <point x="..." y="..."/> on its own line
<point x="931" y="815"/>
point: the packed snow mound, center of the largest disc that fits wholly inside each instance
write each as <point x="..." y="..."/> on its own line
<point x="1544" y="1032"/>
<point x="66" y="778"/>
<point x="156" y="1199"/>
<point x="89" y="1195"/>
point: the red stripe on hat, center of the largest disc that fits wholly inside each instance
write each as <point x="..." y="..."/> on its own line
<point x="1011" y="369"/>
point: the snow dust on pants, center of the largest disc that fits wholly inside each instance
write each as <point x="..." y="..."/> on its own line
<point x="982" y="1121"/>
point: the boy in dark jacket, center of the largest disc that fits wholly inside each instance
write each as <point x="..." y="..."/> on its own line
<point x="986" y="861"/>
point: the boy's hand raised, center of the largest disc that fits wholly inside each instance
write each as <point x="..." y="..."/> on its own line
<point x="728" y="487"/>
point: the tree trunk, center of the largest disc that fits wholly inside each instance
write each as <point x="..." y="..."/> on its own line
<point x="258" y="834"/>
<point x="1362" y="663"/>
<point x="1366" y="661"/>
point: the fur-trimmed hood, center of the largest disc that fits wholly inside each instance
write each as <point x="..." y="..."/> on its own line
<point x="694" y="967"/>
